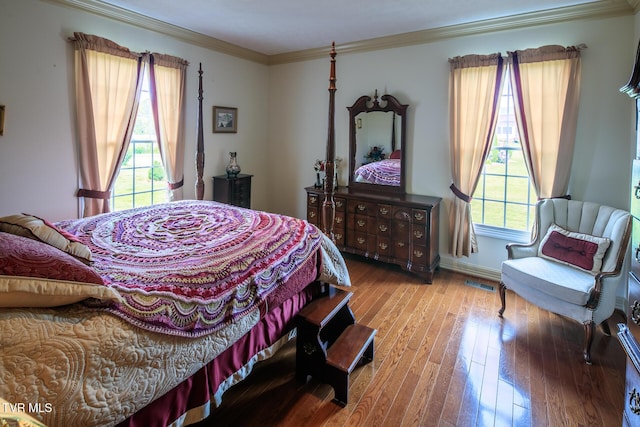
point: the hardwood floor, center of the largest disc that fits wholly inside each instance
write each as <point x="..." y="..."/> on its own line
<point x="443" y="357"/>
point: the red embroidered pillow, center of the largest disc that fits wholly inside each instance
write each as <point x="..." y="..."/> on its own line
<point x="577" y="249"/>
<point x="35" y="274"/>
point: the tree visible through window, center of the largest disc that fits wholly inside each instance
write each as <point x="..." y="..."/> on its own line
<point x="505" y="197"/>
<point x="141" y="180"/>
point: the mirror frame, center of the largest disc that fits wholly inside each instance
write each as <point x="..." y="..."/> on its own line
<point x="364" y="105"/>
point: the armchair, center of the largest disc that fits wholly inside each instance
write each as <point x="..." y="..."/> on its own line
<point x="574" y="265"/>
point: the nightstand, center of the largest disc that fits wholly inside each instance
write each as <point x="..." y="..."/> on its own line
<point x="233" y="191"/>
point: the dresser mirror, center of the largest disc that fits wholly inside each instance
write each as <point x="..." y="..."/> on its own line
<point x="377" y="130"/>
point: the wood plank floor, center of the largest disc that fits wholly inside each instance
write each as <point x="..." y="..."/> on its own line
<point x="443" y="357"/>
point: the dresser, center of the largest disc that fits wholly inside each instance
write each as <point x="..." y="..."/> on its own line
<point x="629" y="333"/>
<point x="234" y="191"/>
<point x="396" y="229"/>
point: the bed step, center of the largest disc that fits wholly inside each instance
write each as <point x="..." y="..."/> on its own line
<point x="330" y="344"/>
<point x="354" y="346"/>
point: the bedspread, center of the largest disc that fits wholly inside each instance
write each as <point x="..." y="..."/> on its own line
<point x="189" y="268"/>
<point x="384" y="172"/>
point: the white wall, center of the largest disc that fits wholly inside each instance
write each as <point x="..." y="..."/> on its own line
<point x="418" y="76"/>
<point x="283" y="112"/>
<point x="38" y="167"/>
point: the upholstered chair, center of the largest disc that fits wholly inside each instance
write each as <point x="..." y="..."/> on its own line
<point x="574" y="265"/>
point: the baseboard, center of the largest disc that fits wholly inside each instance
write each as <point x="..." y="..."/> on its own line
<point x="470" y="269"/>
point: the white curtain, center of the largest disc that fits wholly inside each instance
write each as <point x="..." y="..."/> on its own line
<point x="474" y="90"/>
<point x="108" y="84"/>
<point x="546" y="86"/>
<point x="167" y="75"/>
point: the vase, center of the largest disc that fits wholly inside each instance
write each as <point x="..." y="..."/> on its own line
<point x="233" y="169"/>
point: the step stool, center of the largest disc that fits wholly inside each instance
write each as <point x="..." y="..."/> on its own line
<point x="330" y="344"/>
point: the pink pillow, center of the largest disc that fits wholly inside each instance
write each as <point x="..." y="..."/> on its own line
<point x="35" y="274"/>
<point x="395" y="155"/>
<point x="577" y="249"/>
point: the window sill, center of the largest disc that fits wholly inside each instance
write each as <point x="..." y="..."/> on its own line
<point x="515" y="236"/>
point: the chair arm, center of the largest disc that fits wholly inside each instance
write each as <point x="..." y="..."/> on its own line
<point x="594" y="299"/>
<point x="522" y="250"/>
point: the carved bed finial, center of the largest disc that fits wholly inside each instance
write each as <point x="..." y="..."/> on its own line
<point x="328" y="206"/>
<point x="200" y="142"/>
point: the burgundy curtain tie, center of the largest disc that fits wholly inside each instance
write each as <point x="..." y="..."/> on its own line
<point x="94" y="194"/>
<point x="174" y="185"/>
<point x="459" y="194"/>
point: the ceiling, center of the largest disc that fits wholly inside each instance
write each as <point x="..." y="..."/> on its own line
<point x="273" y="27"/>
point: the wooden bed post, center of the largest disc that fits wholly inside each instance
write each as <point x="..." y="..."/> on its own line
<point x="328" y="206"/>
<point x="200" y="144"/>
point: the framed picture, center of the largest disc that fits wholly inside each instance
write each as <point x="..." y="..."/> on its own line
<point x="225" y="119"/>
<point x="1" y="120"/>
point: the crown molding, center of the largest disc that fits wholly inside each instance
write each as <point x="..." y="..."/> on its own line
<point x="596" y="9"/>
<point x="97" y="7"/>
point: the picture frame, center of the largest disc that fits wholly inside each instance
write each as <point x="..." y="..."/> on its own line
<point x="1" y="120"/>
<point x="225" y="119"/>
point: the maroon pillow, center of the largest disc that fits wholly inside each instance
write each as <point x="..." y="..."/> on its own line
<point x="578" y="249"/>
<point x="395" y="155"/>
<point x="35" y="274"/>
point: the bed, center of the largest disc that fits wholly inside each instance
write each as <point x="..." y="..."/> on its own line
<point x="146" y="317"/>
<point x="183" y="283"/>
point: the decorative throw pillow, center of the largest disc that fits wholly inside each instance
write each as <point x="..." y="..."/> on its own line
<point x="35" y="274"/>
<point x="396" y="154"/>
<point x="577" y="249"/>
<point x="37" y="228"/>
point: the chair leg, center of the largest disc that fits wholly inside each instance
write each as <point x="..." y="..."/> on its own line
<point x="605" y="328"/>
<point x="589" y="330"/>
<point x="503" y="289"/>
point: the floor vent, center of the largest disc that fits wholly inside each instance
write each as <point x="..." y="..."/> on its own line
<point x="479" y="285"/>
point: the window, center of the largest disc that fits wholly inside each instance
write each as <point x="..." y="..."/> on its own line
<point x="141" y="179"/>
<point x="504" y="197"/>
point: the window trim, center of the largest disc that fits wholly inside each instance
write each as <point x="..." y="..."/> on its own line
<point x="508" y="234"/>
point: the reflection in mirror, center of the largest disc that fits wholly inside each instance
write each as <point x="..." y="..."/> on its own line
<point x="377" y="144"/>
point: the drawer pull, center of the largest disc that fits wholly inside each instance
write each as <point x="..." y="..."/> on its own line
<point x="383" y="246"/>
<point x="635" y="312"/>
<point x="383" y="227"/>
<point x="338" y="236"/>
<point x="419" y="216"/>
<point x="634" y="401"/>
<point x="362" y="240"/>
<point x="401" y="244"/>
<point x="361" y="223"/>
<point x="338" y="203"/>
<point x="362" y="207"/>
<point x="313" y="199"/>
<point x="418" y="253"/>
<point x="384" y="211"/>
<point x="312" y="214"/>
<point x="339" y="220"/>
<point x="418" y="234"/>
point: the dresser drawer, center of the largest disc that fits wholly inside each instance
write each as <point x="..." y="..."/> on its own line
<point x="359" y="207"/>
<point x="384" y="211"/>
<point x="357" y="240"/>
<point x="313" y="200"/>
<point x="359" y="223"/>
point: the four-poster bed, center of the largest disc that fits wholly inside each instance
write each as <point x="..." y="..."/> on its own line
<point x="171" y="305"/>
